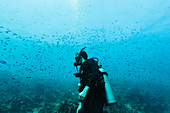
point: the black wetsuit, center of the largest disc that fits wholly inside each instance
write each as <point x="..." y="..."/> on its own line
<point x="91" y="76"/>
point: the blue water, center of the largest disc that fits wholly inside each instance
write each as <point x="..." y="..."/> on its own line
<point x="39" y="40"/>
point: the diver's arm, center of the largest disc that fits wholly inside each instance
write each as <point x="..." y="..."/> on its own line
<point x="95" y="73"/>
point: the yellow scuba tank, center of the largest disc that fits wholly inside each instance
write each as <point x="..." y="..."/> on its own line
<point x="110" y="99"/>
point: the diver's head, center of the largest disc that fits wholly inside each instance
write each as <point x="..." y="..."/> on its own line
<point x="80" y="57"/>
<point x="83" y="57"/>
<point x="83" y="54"/>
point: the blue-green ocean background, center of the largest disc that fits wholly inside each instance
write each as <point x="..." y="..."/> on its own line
<point x="39" y="40"/>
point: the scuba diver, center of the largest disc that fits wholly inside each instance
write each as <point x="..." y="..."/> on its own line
<point x="93" y="93"/>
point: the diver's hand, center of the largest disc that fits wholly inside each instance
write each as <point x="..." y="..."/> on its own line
<point x="79" y="107"/>
<point x="84" y="93"/>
